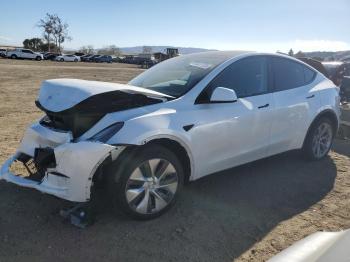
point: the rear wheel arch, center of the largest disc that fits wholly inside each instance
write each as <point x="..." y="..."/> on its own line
<point x="329" y="114"/>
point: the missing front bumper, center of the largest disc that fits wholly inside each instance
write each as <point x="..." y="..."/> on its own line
<point x="46" y="185"/>
<point x="66" y="168"/>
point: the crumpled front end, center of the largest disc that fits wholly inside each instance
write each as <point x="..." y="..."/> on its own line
<point x="49" y="161"/>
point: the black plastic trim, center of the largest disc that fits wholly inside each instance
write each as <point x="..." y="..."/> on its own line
<point x="188" y="127"/>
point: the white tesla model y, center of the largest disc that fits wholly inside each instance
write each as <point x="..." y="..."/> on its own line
<point x="183" y="119"/>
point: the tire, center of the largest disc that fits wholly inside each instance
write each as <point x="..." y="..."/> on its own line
<point x="13" y="56"/>
<point x="38" y="58"/>
<point x="62" y="60"/>
<point x="75" y="60"/>
<point x="141" y="193"/>
<point x="319" y="139"/>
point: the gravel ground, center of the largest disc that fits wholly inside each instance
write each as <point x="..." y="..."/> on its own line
<point x="248" y="213"/>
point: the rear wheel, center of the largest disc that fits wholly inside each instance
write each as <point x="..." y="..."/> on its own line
<point x="75" y="60"/>
<point x="319" y="139"/>
<point x="13" y="56"/>
<point x="148" y="184"/>
<point x="38" y="58"/>
<point x="62" y="60"/>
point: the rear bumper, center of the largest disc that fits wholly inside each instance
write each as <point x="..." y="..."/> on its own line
<point x="76" y="163"/>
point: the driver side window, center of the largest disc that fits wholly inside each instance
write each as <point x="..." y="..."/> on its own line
<point x="247" y="77"/>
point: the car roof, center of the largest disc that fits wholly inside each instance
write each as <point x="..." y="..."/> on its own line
<point x="225" y="56"/>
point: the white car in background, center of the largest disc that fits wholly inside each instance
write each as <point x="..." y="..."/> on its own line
<point x="68" y="58"/>
<point x="24" y="54"/>
<point x="181" y="120"/>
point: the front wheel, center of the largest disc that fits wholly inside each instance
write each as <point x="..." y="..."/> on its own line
<point x="38" y="58"/>
<point x="13" y="56"/>
<point x="319" y="140"/>
<point x="62" y="60"/>
<point x="148" y="184"/>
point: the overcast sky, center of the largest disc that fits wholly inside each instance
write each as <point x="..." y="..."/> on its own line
<point x="261" y="25"/>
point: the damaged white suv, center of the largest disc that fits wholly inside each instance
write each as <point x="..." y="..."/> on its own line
<point x="183" y="119"/>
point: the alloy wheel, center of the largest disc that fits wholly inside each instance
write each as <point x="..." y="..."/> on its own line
<point x="322" y="140"/>
<point x="151" y="186"/>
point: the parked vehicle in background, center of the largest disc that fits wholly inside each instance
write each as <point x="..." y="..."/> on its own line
<point x="85" y="58"/>
<point x="103" y="59"/>
<point x="345" y="90"/>
<point x="346" y="59"/>
<point x="68" y="58"/>
<point x="183" y="119"/>
<point x="337" y="70"/>
<point x="51" y="56"/>
<point x="3" y="52"/>
<point x="118" y="59"/>
<point x="148" y="64"/>
<point x="24" y="54"/>
<point x="344" y="128"/>
<point x="92" y="58"/>
<point x="79" y="54"/>
<point x="315" y="64"/>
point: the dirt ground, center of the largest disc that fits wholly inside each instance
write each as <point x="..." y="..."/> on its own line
<point x="248" y="213"/>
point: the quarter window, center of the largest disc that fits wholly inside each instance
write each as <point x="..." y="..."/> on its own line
<point x="247" y="77"/>
<point x="289" y="74"/>
<point x="309" y="75"/>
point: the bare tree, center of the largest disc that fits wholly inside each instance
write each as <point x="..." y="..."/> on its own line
<point x="291" y="52"/>
<point x="54" y="29"/>
<point x="109" y="50"/>
<point x="60" y="32"/>
<point x="300" y="54"/>
<point x="89" y="49"/>
<point x="47" y="24"/>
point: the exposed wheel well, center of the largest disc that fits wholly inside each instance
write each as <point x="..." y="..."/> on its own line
<point x="329" y="114"/>
<point x="109" y="166"/>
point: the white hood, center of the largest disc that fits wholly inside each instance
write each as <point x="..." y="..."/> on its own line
<point x="60" y="94"/>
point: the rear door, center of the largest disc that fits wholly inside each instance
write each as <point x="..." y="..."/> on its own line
<point x="229" y="134"/>
<point x="295" y="103"/>
<point x="27" y="54"/>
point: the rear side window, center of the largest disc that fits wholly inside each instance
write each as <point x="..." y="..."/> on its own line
<point x="288" y="74"/>
<point x="309" y="75"/>
<point x="247" y="77"/>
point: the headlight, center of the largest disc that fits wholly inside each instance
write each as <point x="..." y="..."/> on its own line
<point x="104" y="135"/>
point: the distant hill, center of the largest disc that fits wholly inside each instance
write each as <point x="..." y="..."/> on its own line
<point x="182" y="50"/>
<point x="328" y="56"/>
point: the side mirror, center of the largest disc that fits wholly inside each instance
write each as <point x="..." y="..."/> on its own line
<point x="223" y="95"/>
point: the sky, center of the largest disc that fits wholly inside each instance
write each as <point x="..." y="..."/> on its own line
<point x="260" y="25"/>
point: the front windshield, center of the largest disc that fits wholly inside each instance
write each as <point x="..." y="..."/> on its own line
<point x="178" y="75"/>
